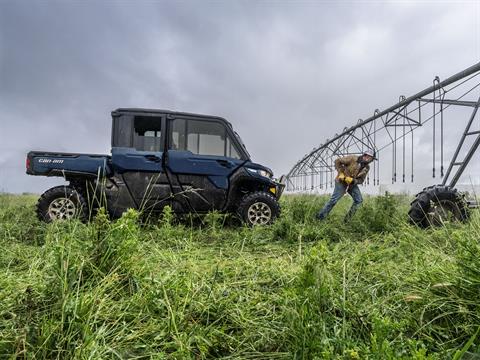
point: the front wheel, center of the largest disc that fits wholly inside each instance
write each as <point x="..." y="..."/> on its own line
<point x="258" y="208"/>
<point x="61" y="203"/>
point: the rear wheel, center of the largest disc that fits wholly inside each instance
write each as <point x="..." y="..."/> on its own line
<point x="437" y="205"/>
<point x="258" y="208"/>
<point x="61" y="203"/>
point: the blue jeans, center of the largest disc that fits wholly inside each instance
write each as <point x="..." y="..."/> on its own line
<point x="338" y="192"/>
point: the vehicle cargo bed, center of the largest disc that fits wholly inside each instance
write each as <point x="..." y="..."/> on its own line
<point x="59" y="164"/>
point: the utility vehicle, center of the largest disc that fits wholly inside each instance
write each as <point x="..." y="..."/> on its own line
<point x="193" y="163"/>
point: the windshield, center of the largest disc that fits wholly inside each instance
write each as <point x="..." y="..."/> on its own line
<point x="241" y="142"/>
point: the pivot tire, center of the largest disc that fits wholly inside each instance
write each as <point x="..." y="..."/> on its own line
<point x="438" y="204"/>
<point x="258" y="208"/>
<point x="61" y="203"/>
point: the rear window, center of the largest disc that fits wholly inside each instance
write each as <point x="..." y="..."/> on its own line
<point x="147" y="133"/>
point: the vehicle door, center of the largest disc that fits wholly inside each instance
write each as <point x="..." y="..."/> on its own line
<point x="201" y="157"/>
<point x="141" y="164"/>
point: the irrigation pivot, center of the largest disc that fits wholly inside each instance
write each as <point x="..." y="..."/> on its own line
<point x="393" y="129"/>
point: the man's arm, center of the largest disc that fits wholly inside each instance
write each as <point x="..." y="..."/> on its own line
<point x="340" y="164"/>
<point x="362" y="175"/>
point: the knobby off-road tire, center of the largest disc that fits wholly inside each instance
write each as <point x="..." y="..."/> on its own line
<point x="62" y="203"/>
<point x="258" y="208"/>
<point x="438" y="204"/>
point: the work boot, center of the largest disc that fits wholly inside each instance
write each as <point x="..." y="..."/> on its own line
<point x="320" y="217"/>
<point x="348" y="217"/>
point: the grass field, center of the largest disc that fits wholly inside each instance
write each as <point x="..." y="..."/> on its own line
<point x="375" y="288"/>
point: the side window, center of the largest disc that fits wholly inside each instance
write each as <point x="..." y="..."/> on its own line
<point x="178" y="135"/>
<point x="147" y="133"/>
<point x="206" y="138"/>
<point x="202" y="137"/>
<point x="231" y="149"/>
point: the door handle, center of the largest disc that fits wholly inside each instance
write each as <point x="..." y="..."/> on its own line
<point x="153" y="158"/>
<point x="226" y="163"/>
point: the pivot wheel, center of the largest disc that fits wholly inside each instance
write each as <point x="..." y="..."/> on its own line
<point x="61" y="203"/>
<point x="437" y="205"/>
<point x="442" y="212"/>
<point x="258" y="208"/>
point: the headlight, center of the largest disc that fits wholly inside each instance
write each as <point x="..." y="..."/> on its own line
<point x="260" y="172"/>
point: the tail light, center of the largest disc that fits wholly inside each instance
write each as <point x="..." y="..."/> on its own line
<point x="27" y="163"/>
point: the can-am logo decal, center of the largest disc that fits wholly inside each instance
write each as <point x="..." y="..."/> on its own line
<point x="50" y="161"/>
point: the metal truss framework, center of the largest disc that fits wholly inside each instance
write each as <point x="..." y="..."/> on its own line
<point x="394" y="128"/>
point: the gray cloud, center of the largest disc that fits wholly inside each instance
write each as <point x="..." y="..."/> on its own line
<point x="287" y="74"/>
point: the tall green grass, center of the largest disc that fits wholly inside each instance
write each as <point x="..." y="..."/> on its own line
<point x="374" y="288"/>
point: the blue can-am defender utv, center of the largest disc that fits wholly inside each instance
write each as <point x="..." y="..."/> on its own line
<point x="193" y="163"/>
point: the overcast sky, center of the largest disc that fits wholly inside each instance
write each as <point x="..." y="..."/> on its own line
<point x="288" y="75"/>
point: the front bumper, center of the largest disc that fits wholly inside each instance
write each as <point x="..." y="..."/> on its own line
<point x="280" y="188"/>
<point x="276" y="188"/>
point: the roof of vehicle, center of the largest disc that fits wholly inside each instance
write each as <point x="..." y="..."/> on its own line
<point x="168" y="112"/>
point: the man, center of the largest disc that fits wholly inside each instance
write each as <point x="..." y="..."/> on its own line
<point x="352" y="171"/>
